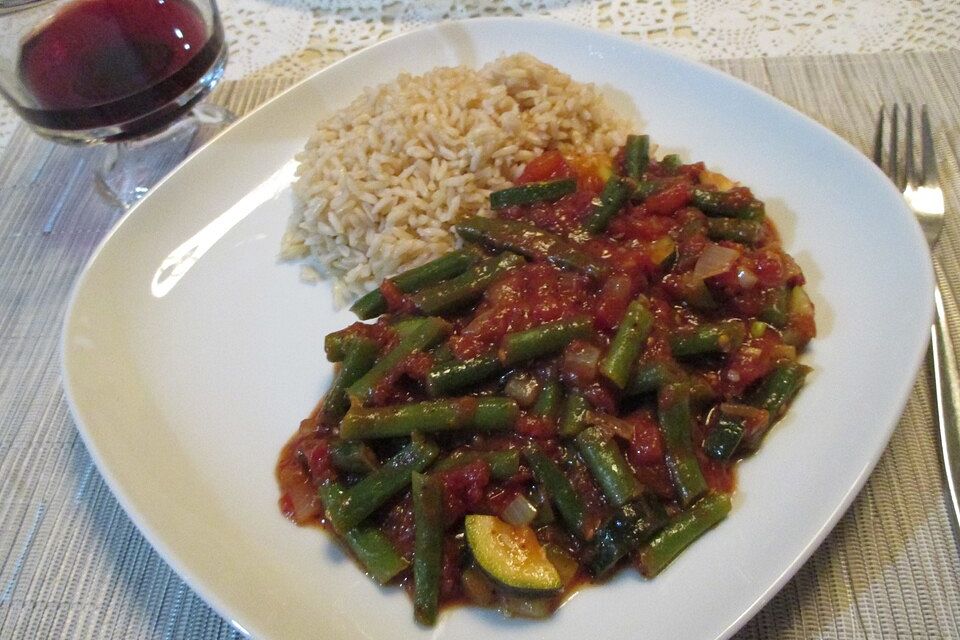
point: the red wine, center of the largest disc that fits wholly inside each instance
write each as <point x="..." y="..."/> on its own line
<point x="100" y="63"/>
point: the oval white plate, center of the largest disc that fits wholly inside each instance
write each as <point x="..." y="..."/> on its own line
<point x="190" y="354"/>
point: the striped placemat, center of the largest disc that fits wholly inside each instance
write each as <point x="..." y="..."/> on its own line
<point x="73" y="565"/>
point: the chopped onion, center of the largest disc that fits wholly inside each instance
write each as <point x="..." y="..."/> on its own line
<point x="522" y="388"/>
<point x="714" y="260"/>
<point x="746" y="278"/>
<point x="580" y="361"/>
<point x="610" y="425"/>
<point x="519" y="512"/>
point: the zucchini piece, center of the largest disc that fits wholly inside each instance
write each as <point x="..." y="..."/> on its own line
<point x="511" y="556"/>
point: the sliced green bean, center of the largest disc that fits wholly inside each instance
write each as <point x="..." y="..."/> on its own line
<point x="503" y="464"/>
<point x="629" y="527"/>
<point x="612" y="198"/>
<point x="779" y="387"/>
<point x="421" y="334"/>
<point x="636" y="155"/>
<point x="464" y="289"/>
<point x="776" y="308"/>
<point x="573" y="419"/>
<point x="335" y="344"/>
<point x="548" y="400"/>
<point x="627" y="343"/>
<point x="608" y="466"/>
<point x="728" y="204"/>
<point x="645" y="189"/>
<point x="558" y="487"/>
<point x="707" y="339"/>
<point x="532" y="192"/>
<point x="544" y="340"/>
<point x="443" y="268"/>
<point x="671" y="164"/>
<point x="360" y="355"/>
<point x="650" y="376"/>
<point x="531" y="241"/>
<point x="352" y="457"/>
<point x="428" y="548"/>
<point x="682" y="530"/>
<point x="676" y="427"/>
<point x="449" y="376"/>
<point x="370" y="546"/>
<point x="724" y="438"/>
<point x="369" y="494"/>
<point x="468" y="412"/>
<point x="746" y="232"/>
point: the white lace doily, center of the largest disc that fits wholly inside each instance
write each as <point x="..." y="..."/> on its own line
<point x="295" y="37"/>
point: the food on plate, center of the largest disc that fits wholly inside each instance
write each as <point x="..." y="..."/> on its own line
<point x="564" y="395"/>
<point x="381" y="181"/>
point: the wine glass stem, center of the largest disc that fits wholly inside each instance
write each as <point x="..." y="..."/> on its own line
<point x="132" y="167"/>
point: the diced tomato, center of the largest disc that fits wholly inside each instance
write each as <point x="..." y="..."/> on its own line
<point x="397" y="300"/>
<point x="669" y="200"/>
<point x="612" y="302"/>
<point x="646" y="447"/>
<point x="463" y="488"/>
<point x="536" y="427"/>
<point x="550" y="165"/>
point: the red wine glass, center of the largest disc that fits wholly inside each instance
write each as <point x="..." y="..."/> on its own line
<point x="130" y="72"/>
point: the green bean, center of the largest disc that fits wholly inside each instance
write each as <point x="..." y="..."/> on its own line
<point x="361" y="353"/>
<point x="452" y="414"/>
<point x="543" y="340"/>
<point x="650" y="376"/>
<point x="370" y="546"/>
<point x="676" y="426"/>
<point x="608" y="466"/>
<point x="671" y="164"/>
<point x="548" y="400"/>
<point x="629" y="527"/>
<point x="708" y="339"/>
<point x="447" y="266"/>
<point x="779" y="387"/>
<point x="557" y="487"/>
<point x="722" y="441"/>
<point x="614" y="195"/>
<point x="422" y="333"/>
<point x="532" y="192"/>
<point x="455" y="293"/>
<point x="365" y="497"/>
<point x="682" y="530"/>
<point x="503" y="464"/>
<point x="727" y="204"/>
<point x="636" y="155"/>
<point x="776" y="308"/>
<point x="427" y="549"/>
<point x="335" y="344"/>
<point x="627" y="343"/>
<point x="746" y="232"/>
<point x="452" y="375"/>
<point x="352" y="457"/>
<point x="573" y="419"/>
<point x="645" y="189"/>
<point x="531" y="241"/>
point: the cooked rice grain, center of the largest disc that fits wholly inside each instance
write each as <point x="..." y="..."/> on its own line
<point x="381" y="181"/>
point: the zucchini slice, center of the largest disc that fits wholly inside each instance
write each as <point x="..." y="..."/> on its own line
<point x="511" y="555"/>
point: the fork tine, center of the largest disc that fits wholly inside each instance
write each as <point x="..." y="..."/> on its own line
<point x="928" y="160"/>
<point x="878" y="140"/>
<point x="892" y="160"/>
<point x="909" y="171"/>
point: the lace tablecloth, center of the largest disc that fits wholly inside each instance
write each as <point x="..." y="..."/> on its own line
<point x="291" y="38"/>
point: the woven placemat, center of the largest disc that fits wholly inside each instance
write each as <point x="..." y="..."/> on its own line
<point x="73" y="565"/>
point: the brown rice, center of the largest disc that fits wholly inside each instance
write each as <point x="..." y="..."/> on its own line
<point x="381" y="181"/>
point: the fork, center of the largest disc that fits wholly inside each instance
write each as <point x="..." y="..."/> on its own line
<point x="921" y="189"/>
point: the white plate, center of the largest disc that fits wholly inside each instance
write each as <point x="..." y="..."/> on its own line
<point x="190" y="354"/>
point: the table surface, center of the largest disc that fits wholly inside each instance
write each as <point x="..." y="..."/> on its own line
<point x="73" y="565"/>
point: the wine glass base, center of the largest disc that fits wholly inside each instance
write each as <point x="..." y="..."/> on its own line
<point x="132" y="167"/>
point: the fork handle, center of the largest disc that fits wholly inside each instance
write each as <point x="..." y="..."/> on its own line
<point x="947" y="381"/>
